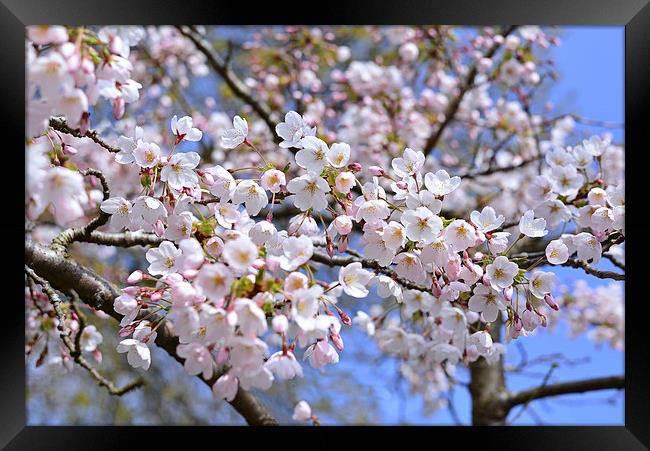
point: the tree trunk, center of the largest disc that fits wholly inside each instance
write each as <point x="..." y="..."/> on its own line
<point x="487" y="388"/>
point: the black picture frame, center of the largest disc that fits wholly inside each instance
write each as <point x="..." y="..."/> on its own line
<point x="634" y="15"/>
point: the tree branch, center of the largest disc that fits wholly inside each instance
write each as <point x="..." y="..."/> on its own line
<point x="230" y="78"/>
<point x="565" y="388"/>
<point x="74" y="348"/>
<point x="65" y="274"/>
<point x="62" y="126"/>
<point x="61" y="242"/>
<point x="452" y="108"/>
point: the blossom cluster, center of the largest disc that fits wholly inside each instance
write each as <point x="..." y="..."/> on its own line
<point x="240" y="289"/>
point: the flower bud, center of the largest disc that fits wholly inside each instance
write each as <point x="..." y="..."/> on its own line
<point x="159" y="228"/>
<point x="118" y="108"/>
<point x="135" y="277"/>
<point x="280" y="324"/>
<point x="355" y="167"/>
<point x="337" y="340"/>
<point x="550" y="301"/>
<point x="377" y="171"/>
<point x="69" y="150"/>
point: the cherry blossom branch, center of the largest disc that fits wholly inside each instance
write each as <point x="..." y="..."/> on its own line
<point x="230" y="78"/>
<point x="585" y="121"/>
<point x="366" y="263"/>
<point x="540" y="257"/>
<point x="99" y="293"/>
<point x="61" y="125"/>
<point x="453" y="106"/>
<point x="74" y="348"/>
<point x="61" y="242"/>
<point x="121" y="239"/>
<point x="565" y="388"/>
<point x="490" y="171"/>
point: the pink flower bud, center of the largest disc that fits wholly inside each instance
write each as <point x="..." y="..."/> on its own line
<point x="355" y="167"/>
<point x="343" y="244"/>
<point x="208" y="179"/>
<point x="222" y="356"/>
<point x="84" y="123"/>
<point x="157" y="296"/>
<point x="118" y="108"/>
<point x="377" y="171"/>
<point x="436" y="290"/>
<point x="280" y="324"/>
<point x="337" y="340"/>
<point x="508" y="293"/>
<point x="69" y="150"/>
<point x="159" y="228"/>
<point x="402" y="185"/>
<point x="135" y="277"/>
<point x="550" y="301"/>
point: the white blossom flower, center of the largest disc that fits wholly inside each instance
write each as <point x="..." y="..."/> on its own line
<point x="354" y="279"/>
<point x="501" y="272"/>
<point x="460" y="235"/>
<point x="197" y="359"/>
<point x="309" y="190"/>
<point x="410" y="163"/>
<point x="437" y="253"/>
<point x="553" y="211"/>
<point x="235" y="136"/>
<point x="273" y="180"/>
<point x="292" y="130"/>
<point x="250" y="318"/>
<point x="323" y="354"/>
<point x="488" y="301"/>
<point x="183" y="130"/>
<point x="127" y="145"/>
<point x="588" y="247"/>
<point x="498" y="242"/>
<point x="557" y="252"/>
<point x="138" y="353"/>
<point x="532" y="227"/>
<point x="540" y="284"/>
<point x="393" y="235"/>
<point x="284" y="365"/>
<point x="179" y="226"/>
<point x="120" y="211"/>
<point x="313" y="155"/>
<point x="486" y="220"/>
<point x="225" y="387"/>
<point x="440" y="183"/>
<point x="344" y="182"/>
<point x="251" y="195"/>
<point x="410" y="267"/>
<point x="179" y="171"/>
<point x="372" y="211"/>
<point x="297" y="252"/>
<point x="163" y="259"/>
<point x="240" y="253"/>
<point x="224" y="183"/>
<point x="424" y="199"/>
<point x="214" y="281"/>
<point x="90" y="339"/>
<point x="147" y="155"/>
<point x="338" y="155"/>
<point x="421" y="225"/>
